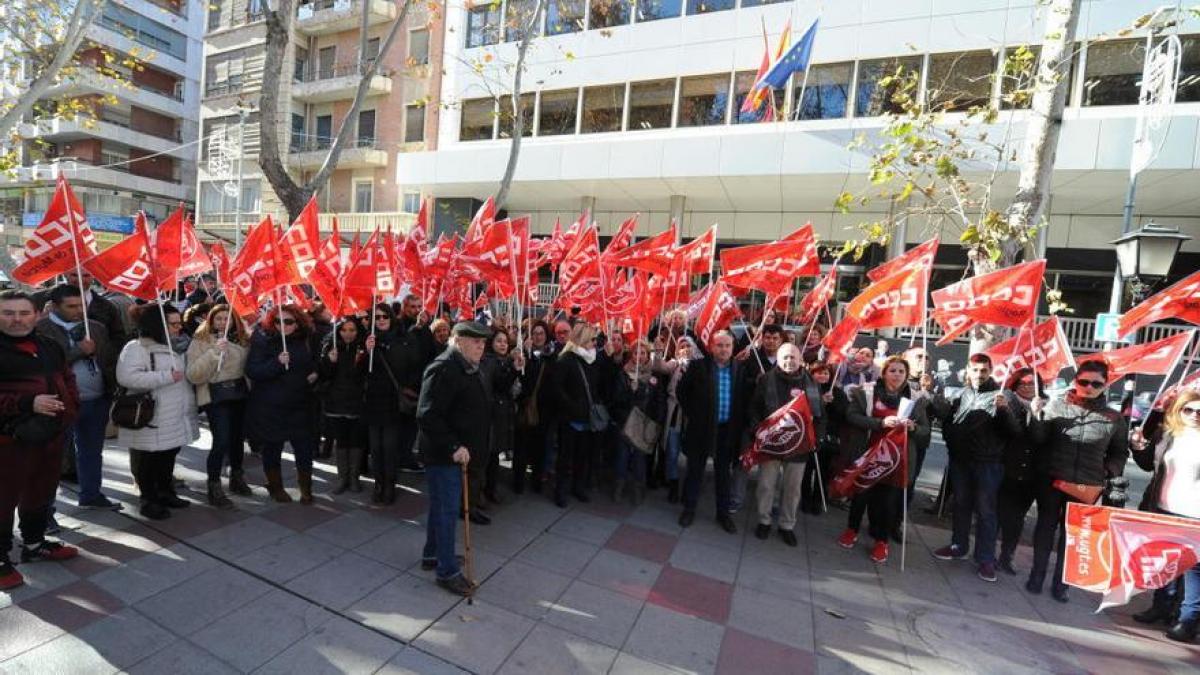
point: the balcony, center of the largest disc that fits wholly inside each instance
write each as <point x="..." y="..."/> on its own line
<point x="308" y="154"/>
<point x="89" y="81"/>
<point x="335" y="16"/>
<point x="214" y="225"/>
<point x="338" y="83"/>
<point x="109" y="129"/>
<point x="117" y="176"/>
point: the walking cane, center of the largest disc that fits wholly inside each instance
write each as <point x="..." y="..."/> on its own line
<point x="467" y="534"/>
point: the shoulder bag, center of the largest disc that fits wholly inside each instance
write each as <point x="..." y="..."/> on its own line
<point x="528" y="416"/>
<point x="133" y="410"/>
<point x="1088" y="494"/>
<point x="598" y="417"/>
<point x="407" y="405"/>
<point x="640" y="431"/>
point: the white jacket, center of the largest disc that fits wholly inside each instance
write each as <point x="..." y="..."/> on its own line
<point x="175" y="421"/>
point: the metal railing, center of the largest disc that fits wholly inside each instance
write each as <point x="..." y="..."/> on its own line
<point x="302" y="143"/>
<point x="310" y="9"/>
<point x="339" y="70"/>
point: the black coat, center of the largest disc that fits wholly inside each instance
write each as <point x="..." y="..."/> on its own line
<point x="1081" y="442"/>
<point x="974" y="428"/>
<point x="454" y="409"/>
<point x="649" y="395"/>
<point x="860" y="423"/>
<point x="499" y="376"/>
<point x="773" y="391"/>
<point x="569" y="389"/>
<point x="400" y="358"/>
<point x="697" y="394"/>
<point x="99" y="308"/>
<point x="343" y="384"/>
<point x="1020" y="454"/>
<point x="280" y="403"/>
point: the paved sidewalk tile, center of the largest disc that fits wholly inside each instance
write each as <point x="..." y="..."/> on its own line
<point x="23" y="630"/>
<point x="560" y="554"/>
<point x="182" y="658"/>
<point x="477" y="637"/>
<point x="108" y="645"/>
<point x="694" y="594"/>
<point x="585" y="527"/>
<point x="399" y="547"/>
<point x="40" y="578"/>
<point x="338" y="646"/>
<point x="770" y="616"/>
<point x="342" y="581"/>
<point x="623" y="573"/>
<point x="403" y="607"/>
<point x="154" y="572"/>
<point x="256" y="633"/>
<point x="301" y="519"/>
<point x="628" y="664"/>
<point x="703" y="558"/>
<point x="73" y="606"/>
<point x="746" y="653"/>
<point x="288" y="558"/>
<point x="413" y="661"/>
<point x="240" y="538"/>
<point x="596" y="613"/>
<point x="675" y="640"/>
<point x="550" y="650"/>
<point x="352" y="529"/>
<point x="202" y="600"/>
<point x="642" y="542"/>
<point x="523" y="589"/>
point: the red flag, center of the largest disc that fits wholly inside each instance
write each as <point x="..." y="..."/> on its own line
<point x="697" y="301"/>
<point x="419" y="234"/>
<point x="126" y="267"/>
<point x="326" y="274"/>
<point x="1153" y="358"/>
<point x="481" y="301"/>
<point x="300" y="244"/>
<point x="582" y="261"/>
<point x="784" y="434"/>
<point x="920" y="257"/>
<point x="1180" y="301"/>
<point x="884" y="460"/>
<point x="1007" y="297"/>
<point x="757" y="96"/>
<point x="818" y="298"/>
<point x="696" y="256"/>
<point x="60" y="242"/>
<point x="554" y="247"/>
<point x="891" y="302"/>
<point x="1191" y="381"/>
<point x="652" y="255"/>
<point x="771" y="267"/>
<point x="620" y="241"/>
<point x="385" y="266"/>
<point x="220" y="261"/>
<point x="491" y="256"/>
<point x="839" y="343"/>
<point x="361" y="280"/>
<point x="720" y="309"/>
<point x="621" y="298"/>
<point x="177" y="250"/>
<point x="258" y="267"/>
<point x="484" y="217"/>
<point x="1047" y="351"/>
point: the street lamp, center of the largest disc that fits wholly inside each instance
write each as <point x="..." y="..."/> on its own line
<point x="1147" y="255"/>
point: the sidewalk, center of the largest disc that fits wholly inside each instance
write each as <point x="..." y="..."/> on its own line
<point x="598" y="588"/>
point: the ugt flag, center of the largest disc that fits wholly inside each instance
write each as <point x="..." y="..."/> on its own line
<point x="784" y="434"/>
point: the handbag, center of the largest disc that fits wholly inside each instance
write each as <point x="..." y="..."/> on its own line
<point x="406" y="404"/>
<point x="528" y="416"/>
<point x="133" y="410"/>
<point x="1088" y="494"/>
<point x="228" y="390"/>
<point x="640" y="431"/>
<point x="598" y="417"/>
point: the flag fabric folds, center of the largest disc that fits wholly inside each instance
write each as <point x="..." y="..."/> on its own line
<point x="1044" y="348"/>
<point x="128" y="266"/>
<point x="1152" y="358"/>
<point x="60" y="243"/>
<point x="1180" y="301"/>
<point x="1006" y="297"/>
<point x="920" y="257"/>
<point x="720" y="309"/>
<point x="795" y="60"/>
<point x="784" y="434"/>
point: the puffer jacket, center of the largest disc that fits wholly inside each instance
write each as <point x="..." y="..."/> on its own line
<point x="856" y="432"/>
<point x="342" y="384"/>
<point x="1081" y="441"/>
<point x="281" y="400"/>
<point x="146" y="365"/>
<point x="974" y="428"/>
<point x="202" y="360"/>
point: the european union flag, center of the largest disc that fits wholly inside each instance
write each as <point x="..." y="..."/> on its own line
<point x="796" y="59"/>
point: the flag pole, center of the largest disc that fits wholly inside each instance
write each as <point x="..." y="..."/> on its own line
<point x="162" y="314"/>
<point x="1167" y="378"/>
<point x="83" y="292"/>
<point x="279" y="313"/>
<point x="820" y="479"/>
<point x="371" y="355"/>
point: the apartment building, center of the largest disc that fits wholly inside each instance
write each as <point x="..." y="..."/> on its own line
<point x="137" y="148"/>
<point x="322" y="69"/>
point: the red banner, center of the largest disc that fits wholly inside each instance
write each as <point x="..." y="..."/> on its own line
<point x="581" y="262"/>
<point x="484" y="217"/>
<point x="126" y="267"/>
<point x="696" y="256"/>
<point x="920" y="257"/>
<point x="720" y="309"/>
<point x="839" y="343"/>
<point x="1153" y="358"/>
<point x="1044" y="349"/>
<point x="177" y="250"/>
<point x="784" y="434"/>
<point x="300" y="244"/>
<point x="771" y="267"/>
<point x="258" y="267"/>
<point x="653" y="255"/>
<point x="1007" y="297"/>
<point x="891" y="302"/>
<point x="1180" y="301"/>
<point x="818" y="298"/>
<point x="620" y="241"/>
<point x="884" y="460"/>
<point x="60" y="242"/>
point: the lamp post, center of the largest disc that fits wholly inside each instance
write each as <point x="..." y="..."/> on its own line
<point x="1146" y="255"/>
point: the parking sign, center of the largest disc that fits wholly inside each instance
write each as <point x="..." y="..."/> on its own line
<point x="1106" y="328"/>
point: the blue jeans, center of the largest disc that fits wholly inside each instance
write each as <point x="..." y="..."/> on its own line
<point x="444" y="485"/>
<point x="226" y="421"/>
<point x="674" y="439"/>
<point x="976" y="486"/>
<point x="88" y="439"/>
<point x="630" y="459"/>
<point x="1189" y="610"/>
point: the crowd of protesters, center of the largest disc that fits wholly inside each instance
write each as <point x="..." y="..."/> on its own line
<point x="572" y="411"/>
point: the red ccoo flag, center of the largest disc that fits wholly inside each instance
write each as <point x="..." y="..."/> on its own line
<point x="652" y="255"/>
<point x="300" y="243"/>
<point x="720" y="309"/>
<point x="772" y="267"/>
<point x="1153" y="358"/>
<point x="127" y="266"/>
<point x="892" y="302"/>
<point x="1180" y="301"/>
<point x="784" y="434"/>
<point x="177" y="250"/>
<point x="1007" y="297"/>
<point x="60" y="243"/>
<point x="920" y="257"/>
<point x="258" y="267"/>
<point x="1046" y="350"/>
<point x="818" y="298"/>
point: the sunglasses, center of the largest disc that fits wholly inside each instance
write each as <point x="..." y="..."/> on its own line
<point x="1025" y="383"/>
<point x="1190" y="411"/>
<point x="286" y="322"/>
<point x="1094" y="384"/>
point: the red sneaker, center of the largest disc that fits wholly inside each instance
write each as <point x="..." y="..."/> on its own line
<point x="9" y="576"/>
<point x="48" y="550"/>
<point x="879" y="554"/>
<point x="848" y="538"/>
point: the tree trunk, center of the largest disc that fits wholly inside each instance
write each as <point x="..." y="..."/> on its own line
<point x="514" y="150"/>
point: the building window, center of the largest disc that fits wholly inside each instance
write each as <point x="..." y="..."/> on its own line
<point x="565" y="16"/>
<point x="1018" y="77"/>
<point x="414" y="123"/>
<point x="703" y="100"/>
<point x="825" y="93"/>
<point x="518" y="15"/>
<point x="609" y="13"/>
<point x="506" y="115"/>
<point x="363" y="191"/>
<point x="326" y="58"/>
<point x="371" y="52"/>
<point x="960" y="81"/>
<point x="366" y="128"/>
<point x="870" y="98"/>
<point x="214" y="13"/>
<point x="143" y="30"/>
<point x="478" y="119"/>
<point x="220" y="198"/>
<point x="651" y="104"/>
<point x="418" y="47"/>
<point x="1189" y="72"/>
<point x="300" y="65"/>
<point x="557" y="113"/>
<point x="483" y="25"/>
<point x="324" y="136"/>
<point x="653" y="10"/>
<point x="411" y="202"/>
<point x="705" y="6"/>
<point x="742" y="83"/>
<point x="602" y="108"/>
<point x="297" y="140"/>
<point x="1113" y="74"/>
<point x="759" y="3"/>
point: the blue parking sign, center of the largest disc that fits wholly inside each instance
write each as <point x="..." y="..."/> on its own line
<point x="1106" y="328"/>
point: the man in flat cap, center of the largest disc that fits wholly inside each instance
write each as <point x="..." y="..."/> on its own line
<point x="453" y="421"/>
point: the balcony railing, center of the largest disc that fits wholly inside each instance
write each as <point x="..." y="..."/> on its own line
<point x="303" y="143"/>
<point x="338" y="70"/>
<point x="308" y="9"/>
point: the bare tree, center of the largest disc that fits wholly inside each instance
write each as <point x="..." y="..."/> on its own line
<point x="295" y="195"/>
<point x="529" y="27"/>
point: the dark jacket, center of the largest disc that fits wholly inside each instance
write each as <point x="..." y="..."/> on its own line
<point x="105" y="354"/>
<point x="649" y="395"/>
<point x="974" y="428"/>
<point x="1081" y="442"/>
<point x="773" y="390"/>
<point x="280" y="403"/>
<point x="454" y="409"/>
<point x="342" y="384"/>
<point x="569" y="393"/>
<point x="499" y="376"/>
<point x="537" y="368"/>
<point x="24" y="376"/>
<point x="1020" y="453"/>
<point x="860" y="423"/>
<point x="697" y="394"/>
<point x="400" y="359"/>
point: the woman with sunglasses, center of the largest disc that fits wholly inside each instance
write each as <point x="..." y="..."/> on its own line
<point x="1018" y="489"/>
<point x="1174" y="457"/>
<point x="279" y="408"/>
<point x="1082" y="443"/>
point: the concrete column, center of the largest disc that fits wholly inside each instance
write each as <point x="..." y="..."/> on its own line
<point x="588" y="204"/>
<point x="677" y="204"/>
<point x="899" y="242"/>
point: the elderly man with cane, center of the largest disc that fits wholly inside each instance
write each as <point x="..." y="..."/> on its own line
<point x="453" y="421"/>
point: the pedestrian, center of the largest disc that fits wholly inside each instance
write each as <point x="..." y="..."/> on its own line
<point x="39" y="402"/>
<point x="713" y="397"/>
<point x="1018" y="489"/>
<point x="814" y="488"/>
<point x="341" y="384"/>
<point x="440" y="330"/>
<point x="216" y="365"/>
<point x="859" y="370"/>
<point x="873" y="410"/>
<point x="978" y="424"/>
<point x="149" y="363"/>
<point x="1174" y="459"/>
<point x="499" y="367"/>
<point x="322" y="322"/>
<point x="783" y="478"/>
<point x="673" y="367"/>
<point x="93" y="362"/>
<point x="279" y="408"/>
<point x="637" y="388"/>
<point x="576" y="389"/>
<point x="383" y="411"/>
<point x="454" y="420"/>
<point x="1082" y="443"/>
<point x="532" y="418"/>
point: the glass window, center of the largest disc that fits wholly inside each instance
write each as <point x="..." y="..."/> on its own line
<point x="742" y="83"/>
<point x="703" y="100"/>
<point x="602" y="107"/>
<point x="414" y="123"/>
<point x="518" y="15"/>
<point x="214" y="14"/>
<point x="362" y="197"/>
<point x="478" y="117"/>
<point x="144" y="30"/>
<point x="418" y="47"/>
<point x="758" y="3"/>
<point x="961" y="80"/>
<point x="651" y="104"/>
<point x="366" y="127"/>
<point x="705" y="6"/>
<point x="411" y="202"/>
<point x="1016" y="81"/>
<point x="871" y="99"/>
<point x="297" y="140"/>
<point x="825" y="94"/>
<point x="326" y="58"/>
<point x="1113" y="74"/>
<point x="1189" y="71"/>
<point x="609" y="13"/>
<point x="506" y="115"/>
<point x="324" y="132"/>
<point x="300" y="64"/>
<point x="556" y="115"/>
<point x="653" y="10"/>
<point x="565" y="16"/>
<point x="372" y="50"/>
<point x="483" y="25"/>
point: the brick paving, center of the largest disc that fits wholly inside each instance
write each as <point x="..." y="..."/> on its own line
<point x="596" y="588"/>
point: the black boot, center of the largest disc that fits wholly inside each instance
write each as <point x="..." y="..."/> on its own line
<point x="342" y="461"/>
<point x="1034" y="585"/>
<point x="356" y="463"/>
<point x="1183" y="631"/>
<point x="1158" y="613"/>
<point x="673" y="491"/>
